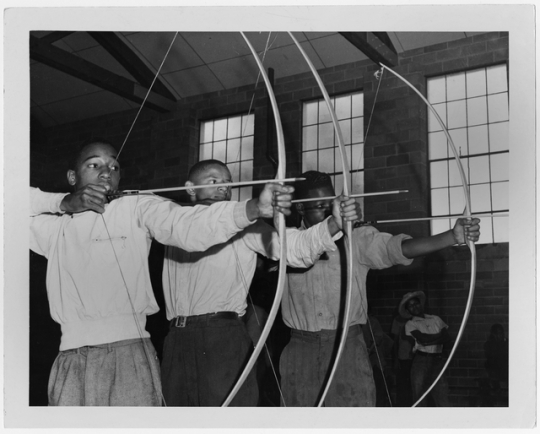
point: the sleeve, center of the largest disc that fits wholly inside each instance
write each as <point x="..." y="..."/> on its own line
<point x="42" y="229"/>
<point x="42" y="202"/>
<point x="442" y="325"/>
<point x="193" y="228"/>
<point x="379" y="250"/>
<point x="409" y="327"/>
<point x="303" y="246"/>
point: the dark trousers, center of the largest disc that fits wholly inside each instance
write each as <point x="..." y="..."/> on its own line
<point x="424" y="370"/>
<point x="380" y="388"/>
<point x="201" y="363"/>
<point x="403" y="383"/>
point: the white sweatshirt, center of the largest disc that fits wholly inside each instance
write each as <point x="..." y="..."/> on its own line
<point x="95" y="260"/>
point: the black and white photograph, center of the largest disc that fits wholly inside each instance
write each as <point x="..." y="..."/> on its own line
<point x="270" y="217"/>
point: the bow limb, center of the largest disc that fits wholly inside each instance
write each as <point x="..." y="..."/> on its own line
<point x="469" y="242"/>
<point x="348" y="226"/>
<point x="282" y="237"/>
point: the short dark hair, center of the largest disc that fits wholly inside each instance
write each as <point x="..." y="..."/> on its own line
<point x="314" y="179"/>
<point x="74" y="162"/>
<point x="201" y="166"/>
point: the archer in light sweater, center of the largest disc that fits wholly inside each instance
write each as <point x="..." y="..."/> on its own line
<point x="98" y="280"/>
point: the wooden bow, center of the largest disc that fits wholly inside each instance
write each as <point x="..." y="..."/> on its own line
<point x="469" y="242"/>
<point x="282" y="237"/>
<point x="348" y="226"/>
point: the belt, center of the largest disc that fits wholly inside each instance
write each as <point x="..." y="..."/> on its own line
<point x="109" y="347"/>
<point x="325" y="335"/>
<point x="183" y="321"/>
<point x="423" y="353"/>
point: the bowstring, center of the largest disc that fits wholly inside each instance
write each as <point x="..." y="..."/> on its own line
<point x="379" y="360"/>
<point x="137" y="323"/>
<point x="238" y="155"/>
<point x="258" y="347"/>
<point x="379" y="76"/>
<point x="281" y="230"/>
<point x="136" y="320"/>
<point x="248" y="295"/>
<point x="471" y="245"/>
<point x="147" y="94"/>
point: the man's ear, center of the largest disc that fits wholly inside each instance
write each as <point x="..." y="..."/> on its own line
<point x="191" y="191"/>
<point x="71" y="178"/>
<point x="300" y="208"/>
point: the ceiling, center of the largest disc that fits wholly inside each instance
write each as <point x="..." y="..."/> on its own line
<point x="198" y="63"/>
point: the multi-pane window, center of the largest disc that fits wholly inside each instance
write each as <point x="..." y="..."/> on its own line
<point x="474" y="107"/>
<point x="230" y="140"/>
<point x="320" y="150"/>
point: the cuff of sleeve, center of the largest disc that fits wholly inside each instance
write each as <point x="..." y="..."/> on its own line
<point x="328" y="240"/>
<point x="240" y="215"/>
<point x="338" y="236"/>
<point x="394" y="249"/>
<point x="54" y="204"/>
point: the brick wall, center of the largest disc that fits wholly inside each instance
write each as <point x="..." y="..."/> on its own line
<point x="162" y="147"/>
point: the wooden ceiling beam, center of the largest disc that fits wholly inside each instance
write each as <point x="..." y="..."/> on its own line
<point x="375" y="45"/>
<point x="131" y="62"/>
<point x="82" y="69"/>
<point x="52" y="37"/>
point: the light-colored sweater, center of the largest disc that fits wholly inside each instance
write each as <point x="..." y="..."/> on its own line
<point x="96" y="260"/>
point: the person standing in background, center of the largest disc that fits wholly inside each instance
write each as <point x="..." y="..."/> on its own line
<point x="428" y="333"/>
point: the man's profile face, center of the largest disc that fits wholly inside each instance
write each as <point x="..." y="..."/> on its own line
<point x="213" y="176"/>
<point x="96" y="165"/>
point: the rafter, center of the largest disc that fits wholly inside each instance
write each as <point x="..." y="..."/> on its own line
<point x="375" y="45"/>
<point x="131" y="61"/>
<point x="91" y="73"/>
<point x="52" y="37"/>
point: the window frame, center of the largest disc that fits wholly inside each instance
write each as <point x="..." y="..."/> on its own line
<point x="355" y="156"/>
<point x="234" y="160"/>
<point x="494" y="229"/>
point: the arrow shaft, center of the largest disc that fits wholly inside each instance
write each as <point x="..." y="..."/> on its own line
<point x="437" y="218"/>
<point x="195" y="187"/>
<point x="380" y="193"/>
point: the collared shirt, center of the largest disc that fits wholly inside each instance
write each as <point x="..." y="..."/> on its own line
<point x="95" y="290"/>
<point x="430" y="324"/>
<point x="218" y="279"/>
<point x="313" y="298"/>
